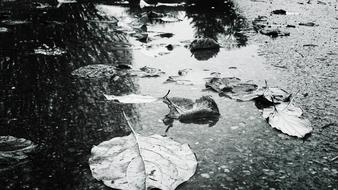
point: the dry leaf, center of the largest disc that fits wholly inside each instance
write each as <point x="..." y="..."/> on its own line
<point x="14" y="149"/>
<point x="135" y="162"/>
<point x="203" y="108"/>
<point x="287" y="118"/>
<point x="233" y="88"/>
<point x="132" y="98"/>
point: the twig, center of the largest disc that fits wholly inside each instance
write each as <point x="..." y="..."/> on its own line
<point x="299" y="53"/>
<point x="165" y="96"/>
<point x="333" y="159"/>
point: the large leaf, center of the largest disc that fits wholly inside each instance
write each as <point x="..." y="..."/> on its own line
<point x="132" y="98"/>
<point x="287" y="118"/>
<point x="135" y="162"/>
<point x="14" y="149"/>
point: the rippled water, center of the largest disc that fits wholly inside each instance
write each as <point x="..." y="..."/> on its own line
<point x="41" y="44"/>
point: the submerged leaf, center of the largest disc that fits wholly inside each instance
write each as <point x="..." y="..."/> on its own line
<point x="14" y="149"/>
<point x="233" y="88"/>
<point x="138" y="163"/>
<point x="222" y="84"/>
<point x="287" y="118"/>
<point x="132" y="98"/>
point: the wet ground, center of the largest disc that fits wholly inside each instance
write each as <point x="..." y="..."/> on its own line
<point x="42" y="44"/>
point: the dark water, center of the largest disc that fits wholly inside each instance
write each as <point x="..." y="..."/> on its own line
<point x="41" y="44"/>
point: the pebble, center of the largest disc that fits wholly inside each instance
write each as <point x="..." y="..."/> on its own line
<point x="205" y="175"/>
<point x="234" y="127"/>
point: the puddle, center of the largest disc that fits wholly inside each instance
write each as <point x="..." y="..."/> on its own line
<point x="66" y="115"/>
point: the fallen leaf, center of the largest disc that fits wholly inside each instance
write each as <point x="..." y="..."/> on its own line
<point x="14" y="149"/>
<point x="135" y="162"/>
<point x="147" y="72"/>
<point x="132" y="98"/>
<point x="179" y="80"/>
<point x="276" y="95"/>
<point x="188" y="111"/>
<point x="233" y="88"/>
<point x="287" y="118"/>
<point x="46" y="50"/>
<point x="286" y="107"/>
<point x="222" y="84"/>
<point x="183" y="72"/>
<point x="95" y="71"/>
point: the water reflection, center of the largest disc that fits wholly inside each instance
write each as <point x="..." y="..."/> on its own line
<point x="219" y="20"/>
<point x="63" y="114"/>
<point x="42" y="102"/>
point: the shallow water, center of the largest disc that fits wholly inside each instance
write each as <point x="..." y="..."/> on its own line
<point x="65" y="115"/>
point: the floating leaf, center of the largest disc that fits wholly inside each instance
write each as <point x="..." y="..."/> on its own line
<point x="179" y="80"/>
<point x="132" y="98"/>
<point x="233" y="88"/>
<point x="222" y="84"/>
<point x="243" y="92"/>
<point x="183" y="72"/>
<point x="276" y="95"/>
<point x="14" y="149"/>
<point x="46" y="50"/>
<point x="3" y="29"/>
<point x="95" y="71"/>
<point x="151" y="72"/>
<point x="135" y="162"/>
<point x="287" y="118"/>
<point x="186" y="110"/>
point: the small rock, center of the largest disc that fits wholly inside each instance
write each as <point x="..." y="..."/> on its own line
<point x="3" y="29"/>
<point x="205" y="175"/>
<point x="278" y="12"/>
<point x="290" y="26"/>
<point x="166" y="35"/>
<point x="204" y="43"/>
<point x="234" y="127"/>
<point x="307" y="24"/>
<point x="274" y="32"/>
<point x="170" y="47"/>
